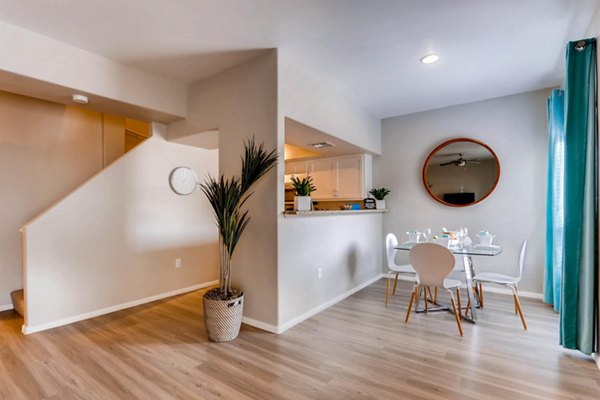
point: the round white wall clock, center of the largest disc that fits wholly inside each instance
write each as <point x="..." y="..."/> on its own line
<point x="183" y="181"/>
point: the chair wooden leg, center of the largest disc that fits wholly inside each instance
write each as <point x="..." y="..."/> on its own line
<point x="387" y="291"/>
<point x="430" y="295"/>
<point x="426" y="301"/>
<point x="435" y="294"/>
<point x="456" y="314"/>
<point x="518" y="304"/>
<point x="468" y="307"/>
<point x="412" y="299"/>
<point x="458" y="301"/>
<point x="395" y="284"/>
<point x="515" y="301"/>
<point x="480" y="294"/>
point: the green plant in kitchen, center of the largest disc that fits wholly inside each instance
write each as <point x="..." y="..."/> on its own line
<point x="379" y="193"/>
<point x="223" y="306"/>
<point x="304" y="186"/>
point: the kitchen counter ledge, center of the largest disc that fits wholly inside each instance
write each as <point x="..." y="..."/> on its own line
<point x="331" y="212"/>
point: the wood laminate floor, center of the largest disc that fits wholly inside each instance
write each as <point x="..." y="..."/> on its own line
<point x="357" y="349"/>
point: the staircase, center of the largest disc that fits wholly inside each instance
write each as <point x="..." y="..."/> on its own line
<point x="18" y="300"/>
<point x="121" y="239"/>
<point x="119" y="136"/>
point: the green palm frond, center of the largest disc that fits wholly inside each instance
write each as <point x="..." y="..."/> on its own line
<point x="227" y="196"/>
<point x="256" y="162"/>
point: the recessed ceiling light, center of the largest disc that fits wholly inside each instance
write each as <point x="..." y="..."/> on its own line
<point x="430" y="59"/>
<point x="320" y="145"/>
<point x="80" y="99"/>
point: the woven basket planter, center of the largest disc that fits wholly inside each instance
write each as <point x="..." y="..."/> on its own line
<point x="223" y="318"/>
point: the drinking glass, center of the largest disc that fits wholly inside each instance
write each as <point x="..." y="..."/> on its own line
<point x="427" y="234"/>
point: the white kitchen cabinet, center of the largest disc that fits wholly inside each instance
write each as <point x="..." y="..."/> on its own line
<point x="350" y="183"/>
<point x="324" y="176"/>
<point x="338" y="178"/>
<point x="295" y="168"/>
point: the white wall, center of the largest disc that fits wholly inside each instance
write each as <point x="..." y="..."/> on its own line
<point x="309" y="98"/>
<point x="115" y="239"/>
<point x="46" y="151"/>
<point x="254" y="99"/>
<point x="43" y="67"/>
<point x="347" y="248"/>
<point x="594" y="28"/>
<point x="515" y="128"/>
<point x="239" y="103"/>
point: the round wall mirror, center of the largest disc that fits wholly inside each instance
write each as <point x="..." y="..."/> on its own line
<point x="461" y="172"/>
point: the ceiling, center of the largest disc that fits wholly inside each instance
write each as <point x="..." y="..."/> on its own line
<point x="370" y="49"/>
<point x="300" y="135"/>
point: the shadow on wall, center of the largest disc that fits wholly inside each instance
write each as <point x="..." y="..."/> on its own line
<point x="352" y="259"/>
<point x="117" y="238"/>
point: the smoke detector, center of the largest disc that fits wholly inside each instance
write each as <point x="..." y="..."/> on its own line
<point x="80" y="99"/>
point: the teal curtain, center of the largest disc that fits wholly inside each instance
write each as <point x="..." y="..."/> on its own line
<point x="555" y="207"/>
<point x="578" y="308"/>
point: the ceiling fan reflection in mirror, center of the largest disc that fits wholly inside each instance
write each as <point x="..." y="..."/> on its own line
<point x="461" y="162"/>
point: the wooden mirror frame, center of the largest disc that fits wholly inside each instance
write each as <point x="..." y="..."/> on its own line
<point x="449" y="142"/>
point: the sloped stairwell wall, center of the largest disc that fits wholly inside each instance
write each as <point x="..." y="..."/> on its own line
<point x="46" y="151"/>
<point x="113" y="242"/>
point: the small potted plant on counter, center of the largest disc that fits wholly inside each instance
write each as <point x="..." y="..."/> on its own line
<point x="379" y="194"/>
<point x="303" y="188"/>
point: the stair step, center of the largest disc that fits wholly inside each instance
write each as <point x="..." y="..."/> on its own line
<point x="18" y="300"/>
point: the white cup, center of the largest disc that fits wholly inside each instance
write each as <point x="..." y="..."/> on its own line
<point x="413" y="237"/>
<point x="486" y="240"/>
<point x="444" y="241"/>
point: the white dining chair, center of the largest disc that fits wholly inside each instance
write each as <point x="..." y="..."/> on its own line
<point x="433" y="263"/>
<point x="394" y="269"/>
<point x="510" y="282"/>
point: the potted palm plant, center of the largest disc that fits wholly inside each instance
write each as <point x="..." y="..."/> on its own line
<point x="379" y="194"/>
<point x="223" y="306"/>
<point x="303" y="188"/>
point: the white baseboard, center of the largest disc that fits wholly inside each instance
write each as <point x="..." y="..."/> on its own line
<point x="597" y="359"/>
<point x="65" y="321"/>
<point x="501" y="290"/>
<point x="491" y="289"/>
<point x="260" y="325"/>
<point x="284" y="327"/>
<point x="6" y="307"/>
